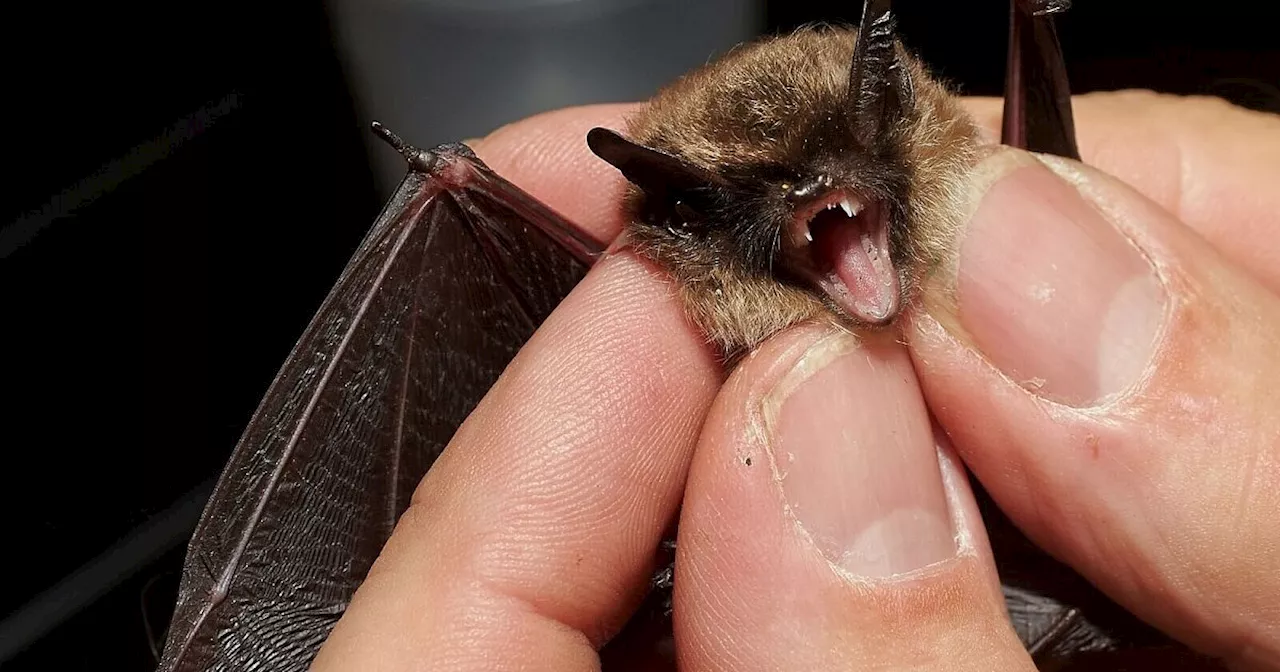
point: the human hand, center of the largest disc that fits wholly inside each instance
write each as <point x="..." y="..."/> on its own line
<point x="817" y="528"/>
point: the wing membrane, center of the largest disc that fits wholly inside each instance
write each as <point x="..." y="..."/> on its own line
<point x="454" y="277"/>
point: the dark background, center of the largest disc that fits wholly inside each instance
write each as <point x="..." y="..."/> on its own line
<point x="182" y="187"/>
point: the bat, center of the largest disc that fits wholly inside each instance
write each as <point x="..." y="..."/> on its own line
<point x="801" y="177"/>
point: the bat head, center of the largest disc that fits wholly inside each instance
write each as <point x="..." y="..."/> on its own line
<point x="808" y="175"/>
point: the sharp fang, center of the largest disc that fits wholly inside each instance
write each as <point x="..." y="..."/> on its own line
<point x="847" y="207"/>
<point x="808" y="235"/>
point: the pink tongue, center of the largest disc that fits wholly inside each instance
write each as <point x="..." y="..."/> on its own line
<point x="862" y="265"/>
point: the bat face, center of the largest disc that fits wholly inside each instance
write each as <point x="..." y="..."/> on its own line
<point x="800" y="177"/>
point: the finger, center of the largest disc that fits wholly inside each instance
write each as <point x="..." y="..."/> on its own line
<point x="1213" y="165"/>
<point x="532" y="538"/>
<point x="547" y="156"/>
<point x="1110" y="380"/>
<point x="818" y="530"/>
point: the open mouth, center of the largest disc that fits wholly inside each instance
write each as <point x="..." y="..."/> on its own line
<point x="840" y="243"/>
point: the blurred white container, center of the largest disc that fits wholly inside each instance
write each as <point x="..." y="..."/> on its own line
<point x="443" y="70"/>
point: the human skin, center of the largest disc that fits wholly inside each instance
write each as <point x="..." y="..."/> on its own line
<point x="1100" y="355"/>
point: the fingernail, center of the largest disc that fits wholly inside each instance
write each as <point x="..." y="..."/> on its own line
<point x="854" y="454"/>
<point x="1050" y="290"/>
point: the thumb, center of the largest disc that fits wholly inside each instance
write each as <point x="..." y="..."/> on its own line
<point x="819" y="530"/>
<point x="1110" y="380"/>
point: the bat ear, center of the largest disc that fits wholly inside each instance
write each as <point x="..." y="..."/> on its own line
<point x="656" y="172"/>
<point x="879" y="87"/>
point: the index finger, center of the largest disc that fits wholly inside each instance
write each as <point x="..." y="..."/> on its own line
<point x="532" y="538"/>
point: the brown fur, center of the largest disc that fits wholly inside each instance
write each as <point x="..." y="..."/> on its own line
<point x="770" y="104"/>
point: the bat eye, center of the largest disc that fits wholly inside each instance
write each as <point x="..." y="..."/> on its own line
<point x="685" y="214"/>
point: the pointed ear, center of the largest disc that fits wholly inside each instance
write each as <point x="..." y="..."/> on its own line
<point x="656" y="172"/>
<point x="879" y="86"/>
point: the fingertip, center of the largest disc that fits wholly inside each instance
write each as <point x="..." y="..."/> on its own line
<point x="1207" y="161"/>
<point x="1102" y="378"/>
<point x="819" y="528"/>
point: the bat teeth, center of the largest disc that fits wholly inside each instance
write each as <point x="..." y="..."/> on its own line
<point x="801" y="235"/>
<point x="850" y="207"/>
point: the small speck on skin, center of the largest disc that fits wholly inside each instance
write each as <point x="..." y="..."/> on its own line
<point x="747" y="461"/>
<point x="1042" y="292"/>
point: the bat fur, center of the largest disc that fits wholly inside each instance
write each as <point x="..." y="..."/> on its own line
<point x="771" y="115"/>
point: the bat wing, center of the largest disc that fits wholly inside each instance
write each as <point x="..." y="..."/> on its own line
<point x="1037" y="101"/>
<point x="1065" y="622"/>
<point x="458" y="271"/>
